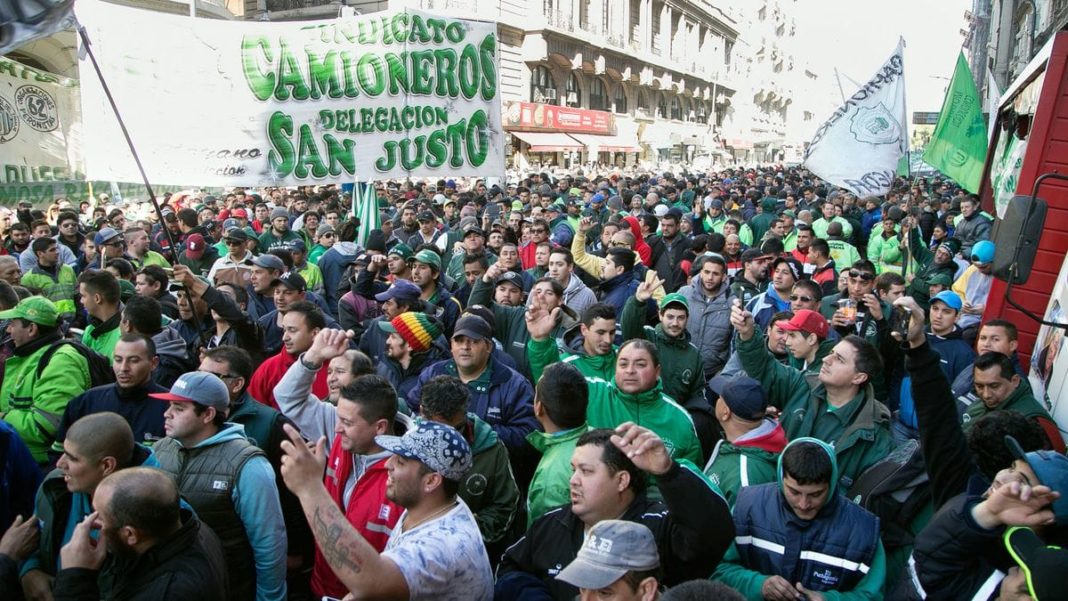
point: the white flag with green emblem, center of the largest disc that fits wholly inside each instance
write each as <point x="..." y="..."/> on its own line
<point x="365" y="209"/>
<point x="859" y="146"/>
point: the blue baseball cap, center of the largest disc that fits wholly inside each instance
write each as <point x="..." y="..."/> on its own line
<point x="1052" y="470"/>
<point x="743" y="395"/>
<point x="401" y="289"/>
<point x="200" y="387"/>
<point x="950" y="298"/>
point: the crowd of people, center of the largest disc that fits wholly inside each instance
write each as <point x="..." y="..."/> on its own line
<point x="740" y="384"/>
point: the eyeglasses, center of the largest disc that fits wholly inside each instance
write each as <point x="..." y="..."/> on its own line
<point x="861" y="275"/>
<point x="69" y="224"/>
<point x="221" y="376"/>
<point x="538" y="230"/>
<point x="326" y="235"/>
<point x="804" y="299"/>
<point x="234" y="242"/>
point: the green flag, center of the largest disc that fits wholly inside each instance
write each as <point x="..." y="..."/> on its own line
<point x="365" y="208"/>
<point x="958" y="146"/>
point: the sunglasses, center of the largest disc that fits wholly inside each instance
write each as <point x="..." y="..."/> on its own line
<point x="326" y="235"/>
<point x="861" y="275"/>
<point x="538" y="230"/>
<point x="804" y="299"/>
<point x="234" y="242"/>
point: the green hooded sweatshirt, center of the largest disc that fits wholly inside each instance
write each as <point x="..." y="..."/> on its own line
<point x="1020" y="400"/>
<point x="681" y="369"/>
<point x="489" y="489"/>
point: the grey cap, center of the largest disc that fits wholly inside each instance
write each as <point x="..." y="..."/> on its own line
<point x="269" y="261"/>
<point x="612" y="548"/>
<point x="279" y="212"/>
<point x="200" y="387"/>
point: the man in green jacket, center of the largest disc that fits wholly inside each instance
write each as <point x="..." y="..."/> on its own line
<point x="560" y="400"/>
<point x="100" y="293"/>
<point x="999" y="388"/>
<point x="34" y="405"/>
<point x="749" y="451"/>
<point x="56" y="280"/>
<point x="589" y="345"/>
<point x="635" y="394"/>
<point x="841" y="410"/>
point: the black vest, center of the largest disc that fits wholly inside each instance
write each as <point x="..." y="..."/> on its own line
<point x="206" y="477"/>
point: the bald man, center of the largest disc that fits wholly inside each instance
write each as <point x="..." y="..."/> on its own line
<point x="153" y="549"/>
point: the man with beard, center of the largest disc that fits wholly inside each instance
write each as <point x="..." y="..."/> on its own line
<point x="754" y="276"/>
<point x="95" y="446"/>
<point x="785" y="273"/>
<point x="411" y="345"/>
<point x="228" y="481"/>
<point x="709" y="316"/>
<point x="577" y="295"/>
<point x="436" y="549"/>
<point x="426" y="273"/>
<point x="151" y="549"/>
<point x="278" y="235"/>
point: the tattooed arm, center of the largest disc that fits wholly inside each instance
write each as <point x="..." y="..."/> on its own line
<point x="363" y="571"/>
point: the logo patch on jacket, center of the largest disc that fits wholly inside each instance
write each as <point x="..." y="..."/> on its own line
<point x="220" y="485"/>
<point x="827" y="577"/>
<point x="383" y="512"/>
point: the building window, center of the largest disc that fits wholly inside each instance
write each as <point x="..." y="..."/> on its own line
<point x="661" y="108"/>
<point x="573" y="95"/>
<point x="598" y="95"/>
<point x="676" y="109"/>
<point x="542" y="88"/>
<point x="621" y="100"/>
<point x="702" y="113"/>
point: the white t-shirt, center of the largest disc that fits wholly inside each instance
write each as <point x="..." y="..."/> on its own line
<point x="443" y="559"/>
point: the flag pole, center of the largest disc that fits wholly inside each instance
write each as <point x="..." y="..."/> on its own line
<point x="839" y="80"/>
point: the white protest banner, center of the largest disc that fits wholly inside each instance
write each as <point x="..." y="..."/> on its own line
<point x="39" y="128"/>
<point x="224" y="103"/>
<point x="859" y="147"/>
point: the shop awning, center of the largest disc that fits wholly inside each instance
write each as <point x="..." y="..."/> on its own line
<point x="548" y="142"/>
<point x="620" y="142"/>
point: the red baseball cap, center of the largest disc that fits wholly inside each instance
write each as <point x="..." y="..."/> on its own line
<point x="239" y="214"/>
<point x="806" y="321"/>
<point x="194" y="246"/>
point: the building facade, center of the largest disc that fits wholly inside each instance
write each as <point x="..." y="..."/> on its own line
<point x="1004" y="35"/>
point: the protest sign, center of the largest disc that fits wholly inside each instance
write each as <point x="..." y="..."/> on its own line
<point x="39" y="127"/>
<point x="223" y="103"/>
<point x="859" y="146"/>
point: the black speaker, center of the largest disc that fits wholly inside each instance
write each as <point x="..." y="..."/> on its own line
<point x="1016" y="238"/>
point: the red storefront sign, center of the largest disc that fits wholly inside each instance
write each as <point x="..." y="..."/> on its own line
<point x="528" y="116"/>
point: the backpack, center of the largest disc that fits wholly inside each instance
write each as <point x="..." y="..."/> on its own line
<point x="100" y="371"/>
<point x="896" y="490"/>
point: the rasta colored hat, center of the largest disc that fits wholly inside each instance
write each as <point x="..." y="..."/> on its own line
<point x="37" y="309"/>
<point x="416" y="328"/>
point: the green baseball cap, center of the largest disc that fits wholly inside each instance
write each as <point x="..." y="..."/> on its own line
<point x="428" y="257"/>
<point x="37" y="309"/>
<point x="402" y="250"/>
<point x="674" y="298"/>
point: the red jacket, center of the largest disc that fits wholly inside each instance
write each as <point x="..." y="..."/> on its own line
<point x="369" y="512"/>
<point x="270" y="373"/>
<point x="644" y="252"/>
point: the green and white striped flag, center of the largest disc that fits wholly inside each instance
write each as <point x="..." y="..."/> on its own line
<point x="365" y="208"/>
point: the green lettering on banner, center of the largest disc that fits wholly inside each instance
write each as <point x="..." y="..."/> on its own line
<point x="420" y="71"/>
<point x="308" y="155"/>
<point x="455" y="32"/>
<point x="289" y="76"/>
<point x="469" y="71"/>
<point x="418" y="31"/>
<point x="282" y="157"/>
<point x="478" y="138"/>
<point x="398" y="73"/>
<point x="261" y="83"/>
<point x="400" y="28"/>
<point x="387" y="162"/>
<point x="342" y="155"/>
<point x="487" y="51"/>
<point x="323" y="75"/>
<point x="372" y="74"/>
<point x="407" y="161"/>
<point x="437" y="149"/>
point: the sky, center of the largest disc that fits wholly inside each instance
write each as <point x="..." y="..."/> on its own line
<point x="857" y="36"/>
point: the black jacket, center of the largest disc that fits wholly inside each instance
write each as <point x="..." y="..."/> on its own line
<point x="692" y="526"/>
<point x="142" y="412"/>
<point x="950" y="464"/>
<point x="188" y="565"/>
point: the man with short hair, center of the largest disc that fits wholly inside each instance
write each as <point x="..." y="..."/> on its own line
<point x="752" y="440"/>
<point x="753" y="279"/>
<point x="400" y="297"/>
<point x="289" y="288"/>
<point x="236" y="265"/>
<point x="996" y="335"/>
<point x="500" y="395"/>
<point x="823" y="272"/>
<point x="10" y="271"/>
<point x="34" y="393"/>
<point x="56" y="281"/>
<point x="99" y="291"/>
<point x="95" y="446"/>
<point x="618" y="560"/>
<point x="691" y="525"/>
<point x="134" y="361"/>
<point x="800" y="536"/>
<point x="138" y="252"/>
<point x="973" y="226"/>
<point x="588" y="346"/>
<point x="709" y="317"/>
<point x="265" y="270"/>
<point x="999" y="388"/>
<point x="229" y="483"/>
<point x="157" y="550"/>
<point x="784" y="273"/>
<point x="474" y="243"/>
<point x="152" y="282"/>
<point x="300" y="324"/>
<point x="841" y="409"/>
<point x="577" y="294"/>
<point x="868" y="314"/>
<point x="40" y="229"/>
<point x="560" y="399"/>
<point x="435" y="551"/>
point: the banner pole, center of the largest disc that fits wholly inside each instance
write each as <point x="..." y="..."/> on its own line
<point x="137" y="159"/>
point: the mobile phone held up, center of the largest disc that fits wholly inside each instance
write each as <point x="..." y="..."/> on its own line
<point x="900" y="319"/>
